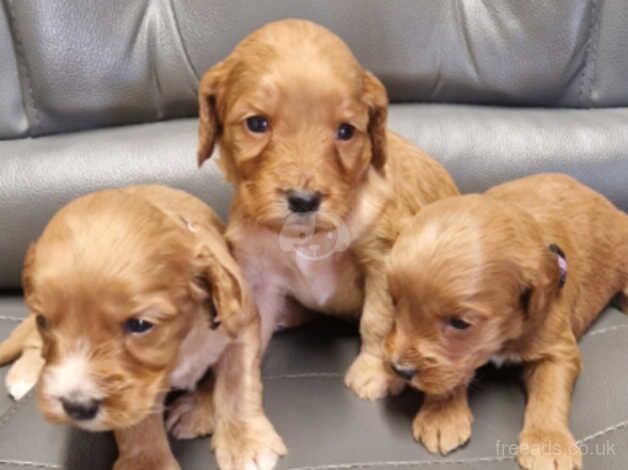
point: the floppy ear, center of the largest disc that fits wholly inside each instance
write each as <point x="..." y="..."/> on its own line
<point x="29" y="260"/>
<point x="209" y="127"/>
<point x="374" y="95"/>
<point x="541" y="284"/>
<point x="230" y="303"/>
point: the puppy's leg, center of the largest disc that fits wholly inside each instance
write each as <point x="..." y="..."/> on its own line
<point x="25" y="372"/>
<point x="368" y="376"/>
<point x="443" y="424"/>
<point x="545" y="441"/>
<point x="192" y="415"/>
<point x="243" y="437"/>
<point x="144" y="446"/>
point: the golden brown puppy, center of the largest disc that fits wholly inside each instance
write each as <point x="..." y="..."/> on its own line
<point x="515" y="275"/>
<point x="134" y="292"/>
<point x="320" y="184"/>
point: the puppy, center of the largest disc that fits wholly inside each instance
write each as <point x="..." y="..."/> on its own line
<point x="321" y="186"/>
<point x="133" y="292"/>
<point x="514" y="275"/>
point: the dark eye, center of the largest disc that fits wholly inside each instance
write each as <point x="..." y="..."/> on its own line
<point x="457" y="323"/>
<point x="257" y="124"/>
<point x="137" y="326"/>
<point x="41" y="321"/>
<point x="345" y="131"/>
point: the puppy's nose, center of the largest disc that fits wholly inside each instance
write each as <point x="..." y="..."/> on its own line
<point x="403" y="371"/>
<point x="303" y="201"/>
<point x="81" y="410"/>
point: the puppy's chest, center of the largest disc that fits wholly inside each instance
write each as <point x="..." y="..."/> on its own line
<point x="330" y="284"/>
<point x="201" y="348"/>
<point x="328" y="281"/>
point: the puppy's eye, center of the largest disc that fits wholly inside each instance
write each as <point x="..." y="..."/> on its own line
<point x="41" y="321"/>
<point x="458" y="323"/>
<point x="137" y="326"/>
<point x="345" y="131"/>
<point x="257" y="124"/>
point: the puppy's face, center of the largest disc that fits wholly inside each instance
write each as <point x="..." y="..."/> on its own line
<point x="114" y="290"/>
<point x="466" y="277"/>
<point x="299" y="123"/>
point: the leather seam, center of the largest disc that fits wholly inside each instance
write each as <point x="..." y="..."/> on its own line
<point x="186" y="53"/>
<point x="590" y="56"/>
<point x="622" y="425"/>
<point x="20" y="463"/>
<point x="6" y="417"/>
<point x="405" y="463"/>
<point x="605" y="330"/>
<point x="9" y="318"/>
<point x="307" y="375"/>
<point x="31" y="111"/>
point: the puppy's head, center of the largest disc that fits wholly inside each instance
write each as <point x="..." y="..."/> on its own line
<point x="298" y="120"/>
<point x="115" y="286"/>
<point x="468" y="277"/>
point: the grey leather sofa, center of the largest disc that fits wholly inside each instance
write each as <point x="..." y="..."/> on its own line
<point x="102" y="93"/>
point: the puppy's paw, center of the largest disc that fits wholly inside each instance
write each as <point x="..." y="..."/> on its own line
<point x="140" y="461"/>
<point x="190" y="416"/>
<point x="543" y="449"/>
<point x="23" y="375"/>
<point x="250" y="445"/>
<point x="443" y="428"/>
<point x="369" y="378"/>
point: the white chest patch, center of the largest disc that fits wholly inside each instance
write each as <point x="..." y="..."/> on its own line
<point x="200" y="349"/>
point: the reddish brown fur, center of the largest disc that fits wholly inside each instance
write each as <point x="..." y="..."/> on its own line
<point x="155" y="253"/>
<point x="485" y="259"/>
<point x="306" y="82"/>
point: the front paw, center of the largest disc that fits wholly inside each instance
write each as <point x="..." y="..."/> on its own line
<point x="252" y="444"/>
<point x="190" y="416"/>
<point x="142" y="462"/>
<point x="543" y="449"/>
<point x="370" y="379"/>
<point x="443" y="428"/>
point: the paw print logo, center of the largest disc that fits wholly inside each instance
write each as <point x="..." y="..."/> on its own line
<point x="304" y="236"/>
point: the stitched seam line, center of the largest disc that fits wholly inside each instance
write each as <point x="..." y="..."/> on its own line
<point x="587" y="70"/>
<point x="20" y="463"/>
<point x="6" y="417"/>
<point x="309" y="375"/>
<point x="605" y="330"/>
<point x="9" y="318"/>
<point x="186" y="53"/>
<point x="407" y="463"/>
<point x="603" y="432"/>
<point x="31" y="111"/>
<point x="595" y="40"/>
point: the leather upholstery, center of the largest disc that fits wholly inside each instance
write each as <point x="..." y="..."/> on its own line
<point x="13" y="122"/>
<point x="69" y="66"/>
<point x="480" y="146"/>
<point x="326" y="428"/>
<point x="102" y="63"/>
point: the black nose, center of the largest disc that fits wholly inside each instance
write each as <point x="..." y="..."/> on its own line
<point x="303" y="201"/>
<point x="405" y="372"/>
<point x="81" y="411"/>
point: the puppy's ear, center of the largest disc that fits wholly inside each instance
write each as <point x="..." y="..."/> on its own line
<point x="219" y="276"/>
<point x="541" y="284"/>
<point x="374" y="95"/>
<point x="27" y="270"/>
<point x="210" y="88"/>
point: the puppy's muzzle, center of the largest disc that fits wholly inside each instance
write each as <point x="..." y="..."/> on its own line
<point x="403" y="371"/>
<point x="300" y="201"/>
<point x="83" y="410"/>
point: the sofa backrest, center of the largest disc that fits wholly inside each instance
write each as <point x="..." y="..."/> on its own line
<point x="68" y="65"/>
